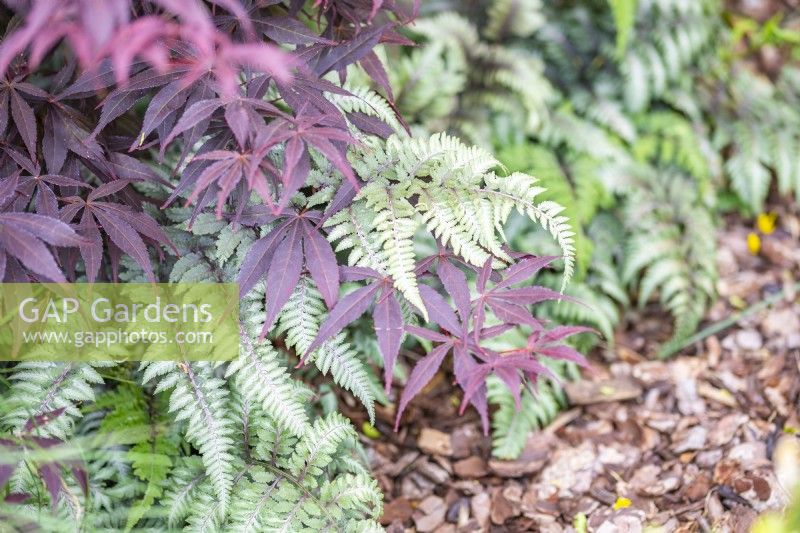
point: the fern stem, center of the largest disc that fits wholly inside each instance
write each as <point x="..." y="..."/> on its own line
<point x="282" y="474"/>
<point x="671" y="349"/>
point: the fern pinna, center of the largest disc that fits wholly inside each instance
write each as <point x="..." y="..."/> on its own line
<point x="220" y="141"/>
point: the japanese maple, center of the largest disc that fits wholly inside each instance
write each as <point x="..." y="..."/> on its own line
<point x="222" y="103"/>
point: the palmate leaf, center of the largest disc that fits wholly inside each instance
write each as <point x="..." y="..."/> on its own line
<point x="280" y="257"/>
<point x="388" y="318"/>
<point x="197" y="113"/>
<point x="349" y="309"/>
<point x="225" y="169"/>
<point x="422" y="373"/>
<point x="23" y="240"/>
<point x="321" y="264"/>
<point x="25" y="122"/>
<point x="288" y="30"/>
<point x="163" y="104"/>
<point x="124" y="227"/>
<point x="258" y="259"/>
<point x="387" y="315"/>
<point x="120" y="100"/>
<point x="473" y="363"/>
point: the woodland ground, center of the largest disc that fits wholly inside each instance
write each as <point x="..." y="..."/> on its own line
<point x="688" y="441"/>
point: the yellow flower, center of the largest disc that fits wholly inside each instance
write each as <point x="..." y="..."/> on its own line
<point x="753" y="243"/>
<point x="622" y="503"/>
<point x="765" y="222"/>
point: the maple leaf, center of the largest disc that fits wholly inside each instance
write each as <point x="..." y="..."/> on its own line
<point x="227" y="169"/>
<point x="38" y="186"/>
<point x="303" y="131"/>
<point x="23" y="243"/>
<point x="107" y="32"/>
<point x="280" y="256"/>
<point x="16" y="98"/>
<point x="387" y="316"/>
<point x="125" y="228"/>
<point x="472" y="362"/>
<point x="510" y="304"/>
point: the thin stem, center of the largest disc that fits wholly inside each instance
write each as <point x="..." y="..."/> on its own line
<point x="671" y="349"/>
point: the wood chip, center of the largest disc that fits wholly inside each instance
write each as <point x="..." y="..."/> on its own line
<point x="721" y="396"/>
<point x="611" y="390"/>
<point x="429" y="514"/>
<point x="480" y="505"/>
<point x="433" y="441"/>
<point x="504" y="507"/>
<point x="397" y="509"/>
<point x="471" y="467"/>
<point x="693" y="438"/>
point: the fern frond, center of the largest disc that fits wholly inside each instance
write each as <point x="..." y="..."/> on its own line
<point x="299" y="323"/>
<point x="201" y="399"/>
<point x="511" y="426"/>
<point x="261" y="377"/>
<point x="358" y="492"/>
<point x="363" y="100"/>
<point x="482" y="80"/>
<point x="670" y="251"/>
<point x="353" y="228"/>
<point x="465" y="226"/>
<point x="252" y="501"/>
<point x="519" y="18"/>
<point x="624" y="17"/>
<point x="455" y="195"/>
<point x="518" y="191"/>
<point x="348" y="370"/>
<point x="670" y="36"/>
<point x="153" y="444"/>
<point x="395" y="225"/>
<point x="318" y="447"/>
<point x="40" y="387"/>
<point x="301" y="498"/>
